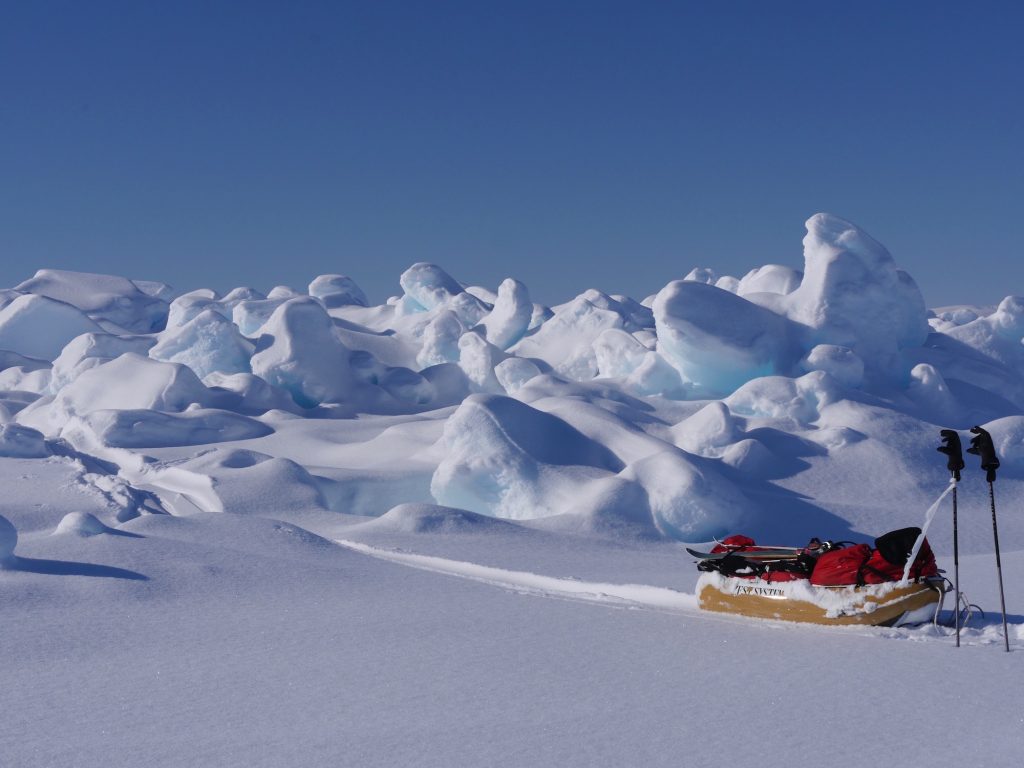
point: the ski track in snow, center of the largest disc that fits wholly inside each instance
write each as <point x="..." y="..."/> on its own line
<point x="524" y="582"/>
<point x="648" y="597"/>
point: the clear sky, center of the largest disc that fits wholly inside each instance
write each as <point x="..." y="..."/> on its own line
<point x="569" y="144"/>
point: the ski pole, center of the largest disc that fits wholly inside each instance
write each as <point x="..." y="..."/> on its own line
<point x="982" y="446"/>
<point x="951" y="447"/>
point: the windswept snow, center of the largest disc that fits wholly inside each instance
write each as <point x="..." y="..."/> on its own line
<point x="511" y="486"/>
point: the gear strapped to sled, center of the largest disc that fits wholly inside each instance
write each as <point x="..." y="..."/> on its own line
<point x="823" y="582"/>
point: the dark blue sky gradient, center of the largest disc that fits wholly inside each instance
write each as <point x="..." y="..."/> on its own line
<point x="570" y="145"/>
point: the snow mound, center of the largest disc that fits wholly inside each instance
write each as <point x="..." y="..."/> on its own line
<point x="718" y="341"/>
<point x="841" y="363"/>
<point x="250" y="482"/>
<point x="250" y="315"/>
<point x="797" y="401"/>
<point x="130" y="382"/>
<point x="704" y="275"/>
<point x="506" y="459"/>
<point x="432" y="518"/>
<point x="441" y="339"/>
<point x="18" y="442"/>
<point x="931" y="393"/>
<point x="853" y="294"/>
<point x="566" y="341"/>
<point x="635" y="316"/>
<point x="997" y="336"/>
<point x="107" y="298"/>
<point x="478" y="359"/>
<point x="91" y="350"/>
<point x="81" y="524"/>
<point x="10" y="359"/>
<point x="13" y="402"/>
<point x="208" y="343"/>
<point x="618" y="353"/>
<point x="300" y="353"/>
<point x="507" y="322"/>
<point x="513" y="373"/>
<point x="37" y="326"/>
<point x="771" y="278"/>
<point x="25" y="378"/>
<point x="708" y="431"/>
<point x="689" y="501"/>
<point x="152" y="429"/>
<point x="427" y="287"/>
<point x="8" y="541"/>
<point x="252" y="394"/>
<point x="337" y="291"/>
<point x="190" y="304"/>
<point x="752" y="457"/>
<point x="283" y="292"/>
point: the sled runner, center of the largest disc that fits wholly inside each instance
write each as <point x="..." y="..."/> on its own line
<point x="823" y="583"/>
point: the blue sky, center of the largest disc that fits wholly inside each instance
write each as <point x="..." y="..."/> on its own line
<point x="568" y="144"/>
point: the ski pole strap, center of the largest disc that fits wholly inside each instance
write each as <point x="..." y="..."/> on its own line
<point x="928" y="517"/>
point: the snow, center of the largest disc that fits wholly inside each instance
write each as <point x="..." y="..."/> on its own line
<point x="509" y="460"/>
<point x="299" y="352"/>
<point x="515" y="372"/>
<point x="337" y="291"/>
<point x="37" y="326"/>
<point x="718" y="341"/>
<point x="250" y="314"/>
<point x="449" y="529"/>
<point x="208" y="343"/>
<point x="478" y="359"/>
<point x="853" y="294"/>
<point x="8" y="541"/>
<point x="841" y="363"/>
<point x="20" y="442"/>
<point x="771" y="278"/>
<point x="441" y="339"/>
<point x="129" y="382"/>
<point x="507" y="322"/>
<point x="116" y="300"/>
<point x="566" y="341"/>
<point x="427" y="287"/>
<point x="90" y="350"/>
<point x="80" y="524"/>
<point x="143" y="428"/>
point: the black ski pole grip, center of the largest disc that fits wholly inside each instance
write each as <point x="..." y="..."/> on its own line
<point x="981" y="445"/>
<point x="951" y="447"/>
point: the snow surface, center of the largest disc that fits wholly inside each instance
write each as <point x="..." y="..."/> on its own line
<point x="302" y="529"/>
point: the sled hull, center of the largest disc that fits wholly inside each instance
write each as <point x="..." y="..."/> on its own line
<point x="875" y="605"/>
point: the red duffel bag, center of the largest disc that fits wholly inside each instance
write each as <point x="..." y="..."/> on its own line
<point x="841" y="567"/>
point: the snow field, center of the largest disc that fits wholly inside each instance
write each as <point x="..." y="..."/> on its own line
<point x="177" y="468"/>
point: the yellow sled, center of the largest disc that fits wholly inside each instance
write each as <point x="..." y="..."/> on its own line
<point x="886" y="605"/>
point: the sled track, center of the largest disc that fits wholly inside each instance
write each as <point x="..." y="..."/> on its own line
<point x="648" y="597"/>
<point x="524" y="582"/>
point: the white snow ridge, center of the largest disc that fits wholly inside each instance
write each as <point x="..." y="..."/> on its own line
<point x="296" y="527"/>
